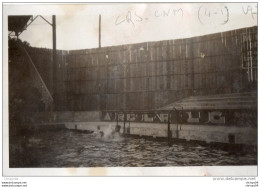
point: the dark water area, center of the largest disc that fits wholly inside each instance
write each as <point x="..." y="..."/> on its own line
<point x="66" y="148"/>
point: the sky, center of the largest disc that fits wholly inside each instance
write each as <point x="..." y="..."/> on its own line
<point x="126" y="23"/>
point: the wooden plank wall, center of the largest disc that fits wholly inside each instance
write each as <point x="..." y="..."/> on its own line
<point x="150" y="75"/>
<point x="42" y="59"/>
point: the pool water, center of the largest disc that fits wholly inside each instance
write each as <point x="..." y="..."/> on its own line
<point x="66" y="148"/>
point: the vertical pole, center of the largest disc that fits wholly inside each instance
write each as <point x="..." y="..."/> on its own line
<point x="128" y="128"/>
<point x="99" y="37"/>
<point x="169" y="130"/>
<point x="124" y="121"/>
<point x="117" y="119"/>
<point x="128" y="131"/>
<point x="17" y="35"/>
<point x="192" y="66"/>
<point x="99" y="45"/>
<point x="54" y="60"/>
<point x="177" y="125"/>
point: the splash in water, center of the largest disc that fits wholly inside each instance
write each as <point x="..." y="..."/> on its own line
<point x="109" y="133"/>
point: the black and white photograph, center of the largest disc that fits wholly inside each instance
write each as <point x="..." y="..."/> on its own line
<point x="108" y="86"/>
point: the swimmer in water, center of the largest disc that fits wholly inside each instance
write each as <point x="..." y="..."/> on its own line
<point x="101" y="133"/>
<point x="116" y="131"/>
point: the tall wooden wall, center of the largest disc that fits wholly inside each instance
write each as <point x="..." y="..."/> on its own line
<point x="153" y="74"/>
<point x="42" y="59"/>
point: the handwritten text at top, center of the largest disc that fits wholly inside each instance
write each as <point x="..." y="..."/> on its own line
<point x="205" y="15"/>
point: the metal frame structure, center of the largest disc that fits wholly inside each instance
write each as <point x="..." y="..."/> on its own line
<point x="20" y="30"/>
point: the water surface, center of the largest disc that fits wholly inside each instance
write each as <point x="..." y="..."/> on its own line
<point x="73" y="149"/>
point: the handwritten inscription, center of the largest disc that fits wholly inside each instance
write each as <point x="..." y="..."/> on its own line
<point x="132" y="17"/>
<point x="219" y="15"/>
<point x="169" y="12"/>
<point x="208" y="15"/>
<point x="250" y="10"/>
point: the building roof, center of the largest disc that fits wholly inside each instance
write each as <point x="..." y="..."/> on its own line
<point x="216" y="102"/>
<point x="18" y="24"/>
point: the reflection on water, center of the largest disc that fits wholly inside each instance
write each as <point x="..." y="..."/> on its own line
<point x="73" y="149"/>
